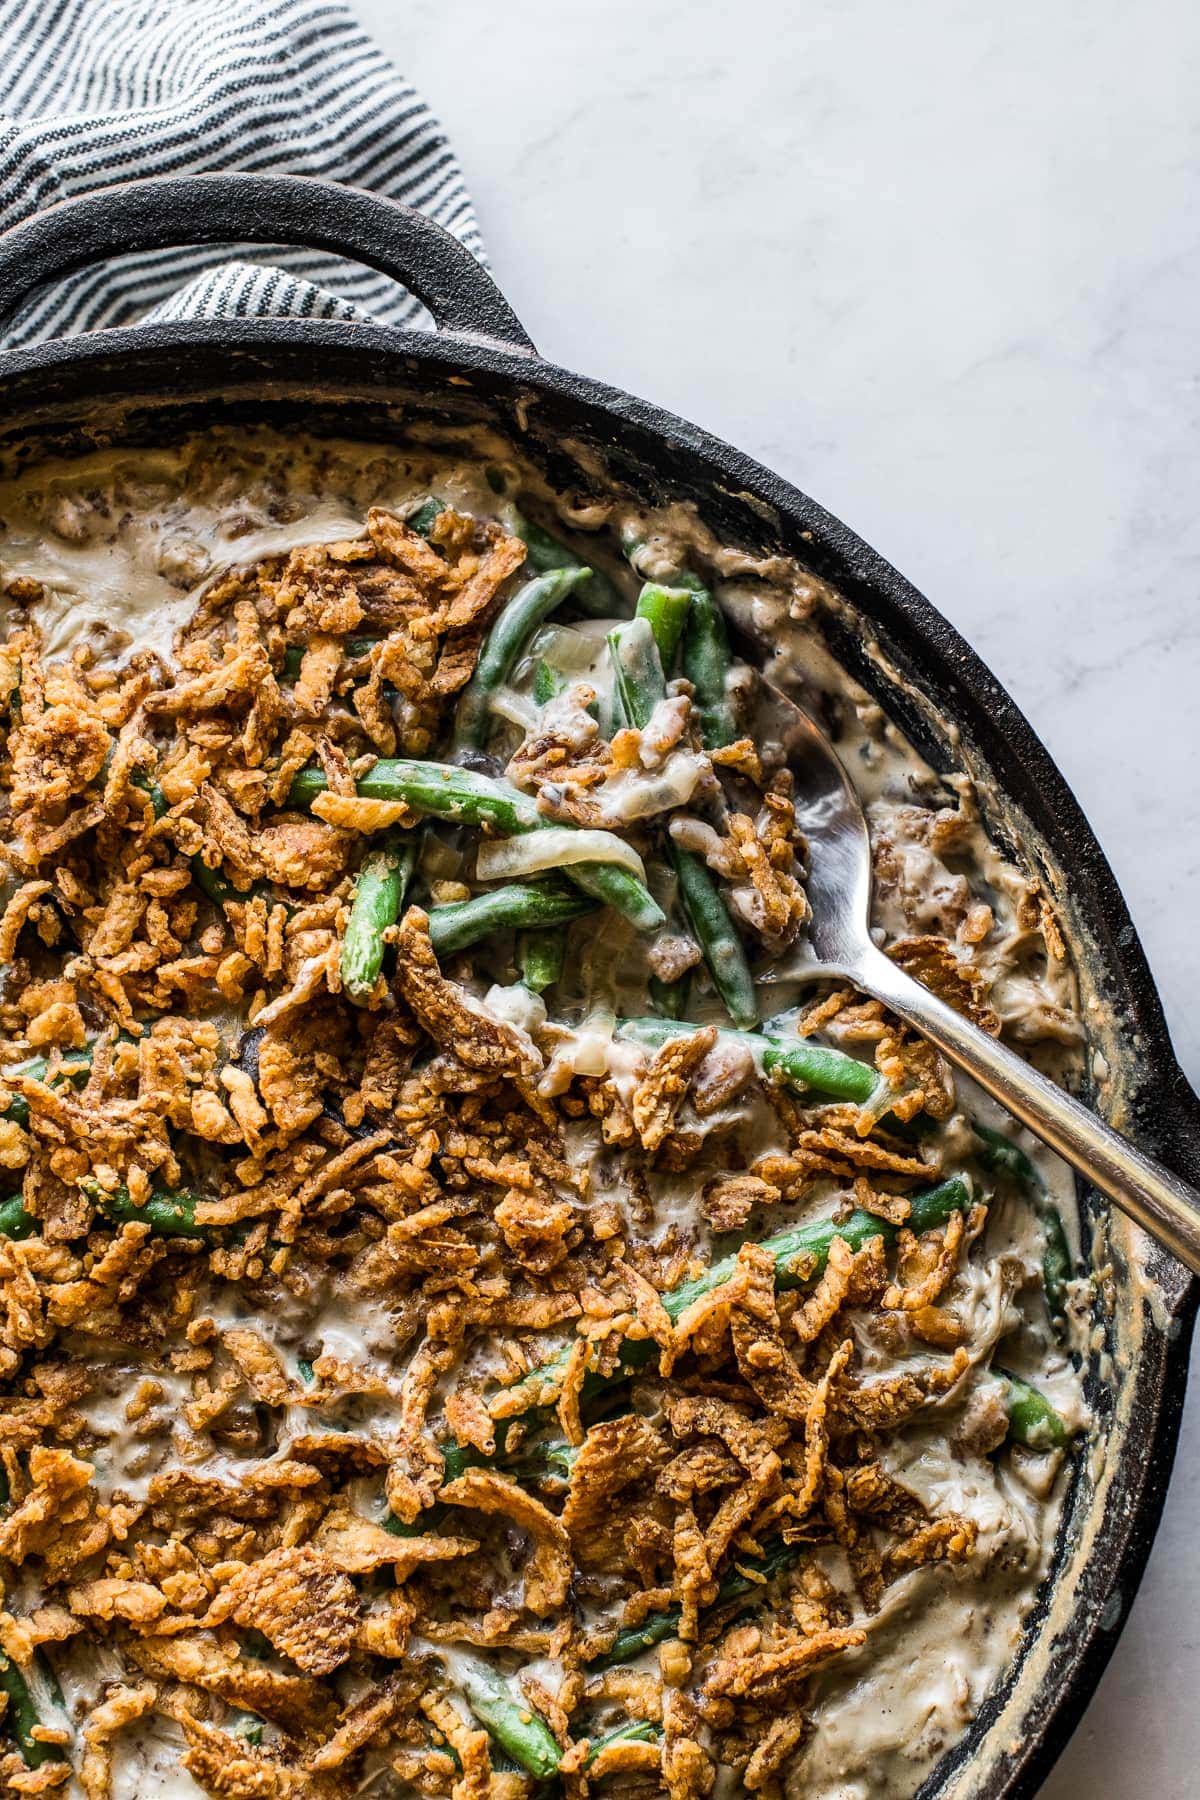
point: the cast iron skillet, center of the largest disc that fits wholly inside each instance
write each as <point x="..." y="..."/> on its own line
<point x="149" y="384"/>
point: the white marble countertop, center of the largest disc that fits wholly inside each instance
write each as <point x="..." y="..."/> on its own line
<point x="939" y="265"/>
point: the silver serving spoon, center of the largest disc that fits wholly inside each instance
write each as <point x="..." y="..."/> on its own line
<point x="839" y="889"/>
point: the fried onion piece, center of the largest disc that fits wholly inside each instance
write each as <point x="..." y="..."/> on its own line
<point x="448" y="1015"/>
<point x="766" y="1364"/>
<point x="549" y="1572"/>
<point x="615" y="1456"/>
<point x="300" y="1601"/>
<point x="771" y="1674"/>
<point x="885" y="1405"/>
<point x="663" y="1087"/>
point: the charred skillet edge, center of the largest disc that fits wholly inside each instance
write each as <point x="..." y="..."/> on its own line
<point x="270" y="363"/>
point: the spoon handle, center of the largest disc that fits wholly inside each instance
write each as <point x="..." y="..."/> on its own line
<point x="1161" y="1203"/>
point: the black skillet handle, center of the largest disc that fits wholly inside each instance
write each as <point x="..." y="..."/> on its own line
<point x="231" y="208"/>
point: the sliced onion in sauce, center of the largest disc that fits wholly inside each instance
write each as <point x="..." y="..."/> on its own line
<point x="500" y="859"/>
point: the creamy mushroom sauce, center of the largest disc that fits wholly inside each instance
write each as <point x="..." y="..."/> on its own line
<point x="124" y="542"/>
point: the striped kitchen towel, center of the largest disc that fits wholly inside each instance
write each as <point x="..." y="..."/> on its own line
<point x="98" y="91"/>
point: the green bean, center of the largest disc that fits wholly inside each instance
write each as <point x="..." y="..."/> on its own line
<point x="1032" y="1420"/>
<point x="215" y="884"/>
<point x="422" y="520"/>
<point x="716" y="933"/>
<point x="802" y="1064"/>
<point x="472" y="799"/>
<point x="545" y="1461"/>
<point x="152" y="791"/>
<point x="307" y="1373"/>
<point x="439" y="789"/>
<point x="429" y="1520"/>
<point x="633" y="1640"/>
<point x="15" y="1222"/>
<point x="671" y="997"/>
<point x="665" y="610"/>
<point x="76" y="1063"/>
<point x="167" y="1214"/>
<point x="21" y="1718"/>
<point x="800" y="1255"/>
<point x="638" y="1731"/>
<point x="508" y="1717"/>
<point x="505" y="641"/>
<point x="541" y="954"/>
<point x="1001" y="1156"/>
<point x="543" y="552"/>
<point x="514" y="907"/>
<point x="637" y="667"/>
<point x="707" y="664"/>
<point x="378" y="896"/>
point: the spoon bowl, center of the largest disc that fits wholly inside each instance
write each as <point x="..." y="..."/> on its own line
<point x="839" y="887"/>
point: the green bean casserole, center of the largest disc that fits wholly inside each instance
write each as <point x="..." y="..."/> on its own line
<point x="481" y="1315"/>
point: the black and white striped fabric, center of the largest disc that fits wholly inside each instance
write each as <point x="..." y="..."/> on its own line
<point x="98" y="91"/>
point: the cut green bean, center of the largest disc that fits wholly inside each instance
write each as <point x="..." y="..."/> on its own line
<point x="638" y="1731"/>
<point x="800" y="1063"/>
<point x="599" y="598"/>
<point x="76" y="1064"/>
<point x="518" y="906"/>
<point x="438" y="789"/>
<point x="716" y="934"/>
<point x="665" y="610"/>
<point x="541" y="954"/>
<point x="21" y="1718"/>
<point x="1000" y="1156"/>
<point x="15" y="1222"/>
<point x="471" y="799"/>
<point x="800" y="1255"/>
<point x="542" y="1462"/>
<point x="293" y="656"/>
<point x="378" y="896"/>
<point x="152" y="791"/>
<point x="542" y="551"/>
<point x="508" y="1716"/>
<point x="634" y="1640"/>
<point x="510" y="633"/>
<point x="422" y="521"/>
<point x="707" y="665"/>
<point x="167" y="1214"/>
<point x="637" y="669"/>
<point x="671" y="997"/>
<point x="215" y="884"/>
<point x="1032" y="1420"/>
<point x="638" y="672"/>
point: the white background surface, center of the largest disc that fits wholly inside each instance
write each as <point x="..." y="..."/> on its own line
<point x="939" y="264"/>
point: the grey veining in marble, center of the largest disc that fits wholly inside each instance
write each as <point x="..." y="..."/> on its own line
<point x="960" y="246"/>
